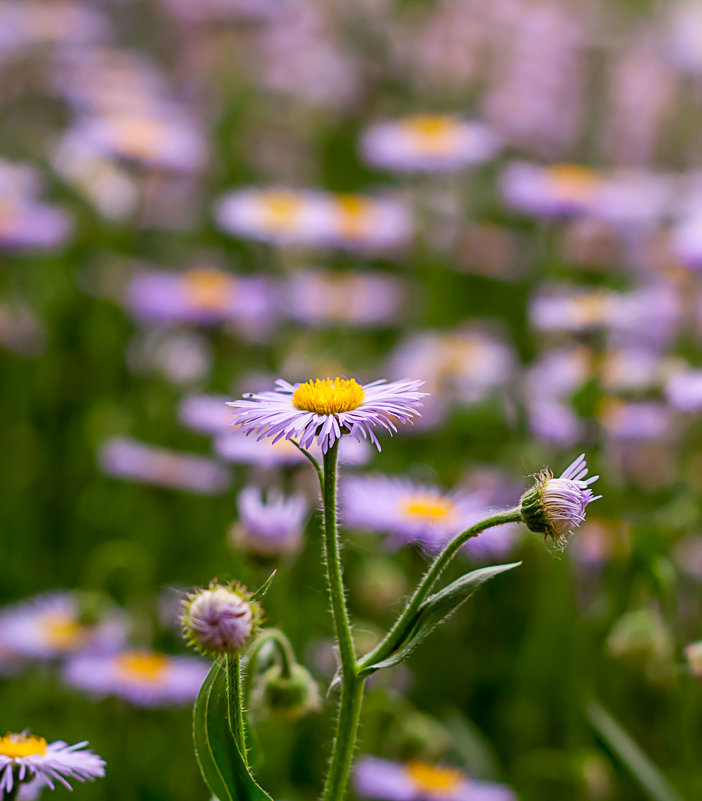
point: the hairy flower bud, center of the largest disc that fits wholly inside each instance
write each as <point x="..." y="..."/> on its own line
<point x="290" y="697"/>
<point x="220" y="619"/>
<point x="555" y="506"/>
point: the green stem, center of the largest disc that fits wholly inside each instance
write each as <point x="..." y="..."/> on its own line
<point x="389" y="642"/>
<point x="332" y="558"/>
<point x="348" y="716"/>
<point x="235" y="704"/>
<point x="351" y="685"/>
<point x="285" y="653"/>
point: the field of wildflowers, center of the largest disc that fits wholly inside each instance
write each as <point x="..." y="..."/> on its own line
<point x="308" y="310"/>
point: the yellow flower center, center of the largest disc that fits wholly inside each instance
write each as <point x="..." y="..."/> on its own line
<point x="208" y="288"/>
<point x="590" y="309"/>
<point x="63" y="632"/>
<point x="16" y="746"/>
<point x="280" y="211"/>
<point x="328" y="395"/>
<point x="572" y="181"/>
<point x="435" y="779"/>
<point x="433" y="133"/>
<point x="354" y="215"/>
<point x="138" y="136"/>
<point x="142" y="666"/>
<point x="429" y="508"/>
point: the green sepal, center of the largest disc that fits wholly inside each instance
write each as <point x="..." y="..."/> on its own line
<point x="434" y="611"/>
<point x="221" y="762"/>
<point x="263" y="589"/>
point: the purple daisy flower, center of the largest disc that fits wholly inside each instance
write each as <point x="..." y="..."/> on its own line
<point x="419" y="513"/>
<point x="555" y="506"/>
<point x="324" y="409"/>
<point x="269" y="528"/>
<point x="143" y="678"/>
<point x="428" y="143"/>
<point x="51" y="626"/>
<point x="29" y="759"/>
<point x="420" y="781"/>
<point x="407" y="512"/>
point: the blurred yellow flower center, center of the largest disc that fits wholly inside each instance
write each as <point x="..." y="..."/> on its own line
<point x="16" y="746"/>
<point x="281" y="210"/>
<point x="433" y="133"/>
<point x="572" y="181"/>
<point x="434" y="779"/>
<point x="142" y="666"/>
<point x="354" y="214"/>
<point x="208" y="288"/>
<point x="138" y="137"/>
<point x="328" y="395"/>
<point x="430" y="508"/>
<point x="63" y="632"/>
<point x="590" y="309"/>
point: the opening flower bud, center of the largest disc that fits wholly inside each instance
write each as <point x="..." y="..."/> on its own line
<point x="290" y="697"/>
<point x="220" y="619"/>
<point x="555" y="506"/>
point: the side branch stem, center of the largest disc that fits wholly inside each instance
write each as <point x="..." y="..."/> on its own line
<point x="426" y="585"/>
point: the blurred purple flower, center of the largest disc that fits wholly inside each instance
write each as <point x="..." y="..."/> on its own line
<point x="143" y="678"/>
<point x="53" y="625"/>
<point x="272" y="527"/>
<point x="429" y="143"/>
<point x="328" y="298"/>
<point x="419" y="781"/>
<point x="134" y="461"/>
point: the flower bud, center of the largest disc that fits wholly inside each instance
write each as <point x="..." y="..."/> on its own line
<point x="641" y="639"/>
<point x="220" y="619"/>
<point x="289" y="697"/>
<point x="555" y="506"/>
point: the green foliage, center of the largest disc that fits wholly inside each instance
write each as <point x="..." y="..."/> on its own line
<point x="221" y="761"/>
<point x="652" y="781"/>
<point x="434" y="611"/>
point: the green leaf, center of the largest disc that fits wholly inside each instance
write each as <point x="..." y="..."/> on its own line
<point x="652" y="781"/>
<point x="263" y="589"/>
<point x="220" y="760"/>
<point x="435" y="610"/>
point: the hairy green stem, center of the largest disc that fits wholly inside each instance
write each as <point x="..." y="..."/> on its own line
<point x="348" y="717"/>
<point x="235" y="703"/>
<point x="332" y="558"/>
<point x="351" y="685"/>
<point x="389" y="642"/>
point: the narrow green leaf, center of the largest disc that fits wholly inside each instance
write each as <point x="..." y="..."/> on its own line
<point x="221" y="763"/>
<point x="652" y="781"/>
<point x="263" y="589"/>
<point x="435" y="610"/>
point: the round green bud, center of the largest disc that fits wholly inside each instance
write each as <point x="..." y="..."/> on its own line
<point x="289" y="697"/>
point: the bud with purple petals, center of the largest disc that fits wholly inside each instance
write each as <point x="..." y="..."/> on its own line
<point x="555" y="506"/>
<point x="220" y="619"/>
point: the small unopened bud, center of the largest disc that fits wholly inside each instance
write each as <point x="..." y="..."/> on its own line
<point x="555" y="506"/>
<point x="642" y="639"/>
<point x="290" y="697"/>
<point x="220" y="619"/>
